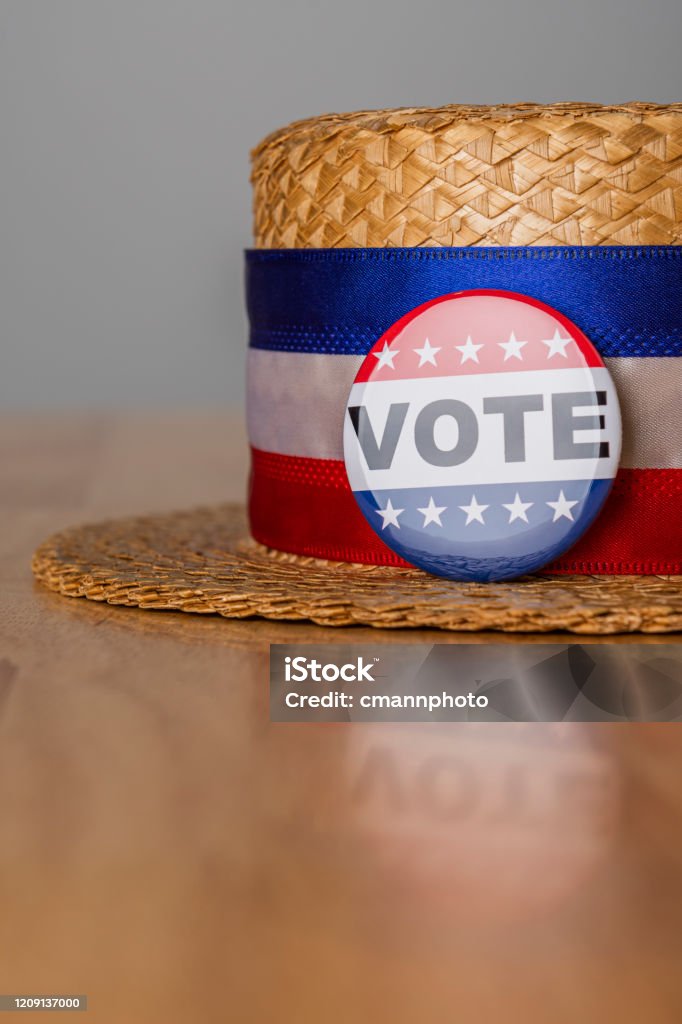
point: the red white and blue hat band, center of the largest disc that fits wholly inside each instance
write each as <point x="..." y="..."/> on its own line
<point x="315" y="314"/>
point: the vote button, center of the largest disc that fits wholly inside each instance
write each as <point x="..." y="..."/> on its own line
<point x="482" y="435"/>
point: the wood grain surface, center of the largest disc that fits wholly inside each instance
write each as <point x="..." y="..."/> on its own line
<point x="167" y="851"/>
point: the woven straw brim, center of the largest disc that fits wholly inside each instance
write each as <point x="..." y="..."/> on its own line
<point x="561" y="174"/>
<point x="203" y="561"/>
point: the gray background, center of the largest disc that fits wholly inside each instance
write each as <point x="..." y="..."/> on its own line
<point x="125" y="127"/>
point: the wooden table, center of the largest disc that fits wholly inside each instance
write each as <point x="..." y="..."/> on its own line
<point x="167" y="851"/>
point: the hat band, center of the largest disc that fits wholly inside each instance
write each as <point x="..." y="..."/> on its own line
<point x="315" y="313"/>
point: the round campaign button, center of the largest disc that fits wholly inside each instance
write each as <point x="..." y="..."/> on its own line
<point x="482" y="435"/>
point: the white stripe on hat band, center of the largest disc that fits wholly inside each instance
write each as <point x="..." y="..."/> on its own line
<point x="296" y="403"/>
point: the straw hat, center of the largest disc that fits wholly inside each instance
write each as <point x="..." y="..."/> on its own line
<point x="523" y="175"/>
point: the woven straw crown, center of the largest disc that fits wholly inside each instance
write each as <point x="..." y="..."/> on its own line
<point x="565" y="174"/>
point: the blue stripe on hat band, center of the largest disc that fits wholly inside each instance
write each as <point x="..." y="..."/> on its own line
<point x="626" y="299"/>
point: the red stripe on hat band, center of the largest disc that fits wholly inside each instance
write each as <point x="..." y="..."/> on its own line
<point x="305" y="506"/>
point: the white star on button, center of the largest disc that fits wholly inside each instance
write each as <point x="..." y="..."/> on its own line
<point x="556" y="346"/>
<point x="518" y="509"/>
<point x="427" y="354"/>
<point x="474" y="511"/>
<point x="469" y="351"/>
<point x="432" y="513"/>
<point x="389" y="515"/>
<point x="385" y="357"/>
<point x="512" y="348"/>
<point x="562" y="507"/>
